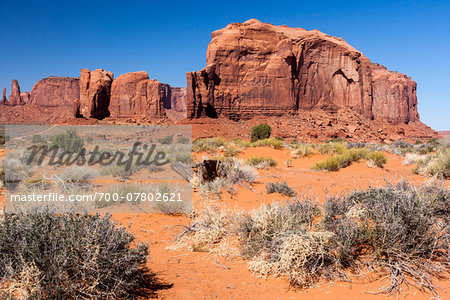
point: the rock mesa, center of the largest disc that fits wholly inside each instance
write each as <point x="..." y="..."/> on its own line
<point x="256" y="68"/>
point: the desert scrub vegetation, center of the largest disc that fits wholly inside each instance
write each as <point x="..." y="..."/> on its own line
<point x="230" y="171"/>
<point x="261" y="162"/>
<point x="209" y="144"/>
<point x="376" y="159"/>
<point x="70" y="256"/>
<point x="303" y="150"/>
<point x="399" y="233"/>
<point x="281" y="188"/>
<point x="68" y="141"/>
<point x="260" y="132"/>
<point x="331" y="148"/>
<point x="275" y="143"/>
<point x="77" y="179"/>
<point x="435" y="164"/>
<point x="347" y="157"/>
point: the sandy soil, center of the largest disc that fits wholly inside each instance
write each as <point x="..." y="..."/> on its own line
<point x="200" y="275"/>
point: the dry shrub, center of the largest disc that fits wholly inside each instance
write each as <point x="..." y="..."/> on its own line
<point x="398" y="230"/>
<point x="70" y="256"/>
<point x="208" y="230"/>
<point x="280" y="188"/>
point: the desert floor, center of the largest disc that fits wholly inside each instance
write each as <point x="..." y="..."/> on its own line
<point x="201" y="275"/>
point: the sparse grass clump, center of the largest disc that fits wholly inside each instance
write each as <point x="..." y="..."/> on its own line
<point x="335" y="162"/>
<point x="435" y="164"/>
<point x="70" y="256"/>
<point x="376" y="159"/>
<point x="261" y="162"/>
<point x="260" y="132"/>
<point x="331" y="148"/>
<point x="269" y="142"/>
<point x="210" y="144"/>
<point x="280" y="188"/>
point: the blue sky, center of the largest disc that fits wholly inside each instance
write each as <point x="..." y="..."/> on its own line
<point x="45" y="38"/>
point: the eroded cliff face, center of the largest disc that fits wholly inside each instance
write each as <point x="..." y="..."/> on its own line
<point x="394" y="96"/>
<point x="14" y="97"/>
<point x="135" y="95"/>
<point x="256" y="68"/>
<point x="95" y="93"/>
<point x="56" y="92"/>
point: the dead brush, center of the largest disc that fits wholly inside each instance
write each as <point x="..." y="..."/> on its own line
<point x="70" y="256"/>
<point x="208" y="230"/>
<point x="399" y="231"/>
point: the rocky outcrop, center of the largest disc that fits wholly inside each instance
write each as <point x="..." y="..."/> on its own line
<point x="95" y="93"/>
<point x="4" y="100"/>
<point x="135" y="95"/>
<point x="394" y="96"/>
<point x="14" y="97"/>
<point x="25" y="97"/>
<point x="56" y="92"/>
<point x="256" y="68"/>
<point x="178" y="98"/>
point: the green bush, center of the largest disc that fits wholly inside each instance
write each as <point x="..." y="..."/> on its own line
<point x="260" y="132"/>
<point x="331" y="148"/>
<point x="68" y="141"/>
<point x="70" y="256"/>
<point x="435" y="164"/>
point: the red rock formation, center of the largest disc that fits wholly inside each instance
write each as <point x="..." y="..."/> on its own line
<point x="25" y="97"/>
<point x="56" y="92"/>
<point x="178" y="98"/>
<point x="4" y="100"/>
<point x="256" y="68"/>
<point x="95" y="93"/>
<point x="14" y="97"/>
<point x="135" y="95"/>
<point x="394" y="96"/>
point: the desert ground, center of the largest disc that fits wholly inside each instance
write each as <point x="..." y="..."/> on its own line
<point x="184" y="273"/>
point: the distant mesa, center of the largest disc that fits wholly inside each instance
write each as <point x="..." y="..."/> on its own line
<point x="253" y="70"/>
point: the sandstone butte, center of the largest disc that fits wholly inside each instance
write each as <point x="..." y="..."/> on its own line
<point x="256" y="68"/>
<point x="253" y="69"/>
